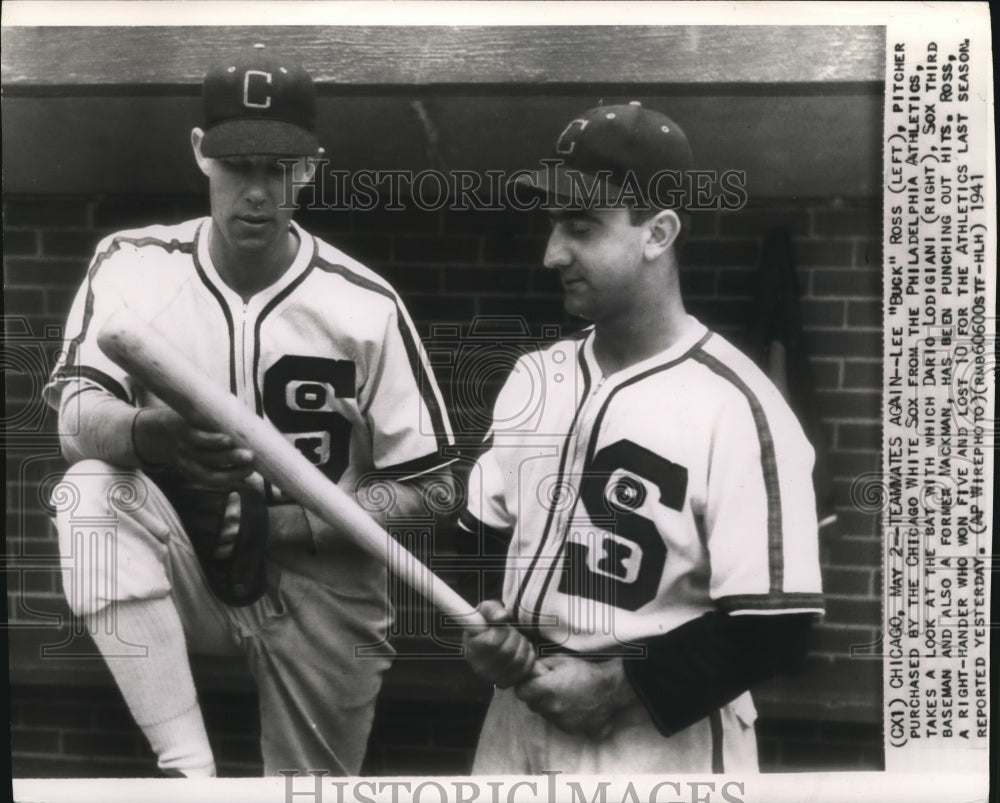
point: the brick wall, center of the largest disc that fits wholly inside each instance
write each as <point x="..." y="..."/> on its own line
<point x="450" y="268"/>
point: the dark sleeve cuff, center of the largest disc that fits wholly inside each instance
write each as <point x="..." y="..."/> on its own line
<point x="95" y="375"/>
<point x="415" y="469"/>
<point x="700" y="666"/>
<point x="483" y="552"/>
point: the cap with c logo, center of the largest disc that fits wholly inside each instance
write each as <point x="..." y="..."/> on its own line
<point x="258" y="104"/>
<point x="627" y="145"/>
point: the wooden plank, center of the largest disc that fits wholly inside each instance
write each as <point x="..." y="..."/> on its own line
<point x="423" y="56"/>
<point x="807" y="147"/>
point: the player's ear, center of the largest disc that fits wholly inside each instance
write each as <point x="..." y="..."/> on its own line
<point x="313" y="163"/>
<point x="197" y="135"/>
<point x="304" y="170"/>
<point x="664" y="228"/>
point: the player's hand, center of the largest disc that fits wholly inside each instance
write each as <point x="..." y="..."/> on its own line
<point x="206" y="459"/>
<point x="578" y="696"/>
<point x="498" y="652"/>
<point x="230" y="527"/>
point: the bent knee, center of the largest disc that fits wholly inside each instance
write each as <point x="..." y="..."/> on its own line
<point x="94" y="466"/>
<point x="94" y="488"/>
<point x="112" y="526"/>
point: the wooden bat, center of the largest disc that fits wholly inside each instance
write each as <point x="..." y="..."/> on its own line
<point x="134" y="345"/>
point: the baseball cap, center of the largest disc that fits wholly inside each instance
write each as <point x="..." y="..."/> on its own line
<point x="624" y="147"/>
<point x="258" y="104"/>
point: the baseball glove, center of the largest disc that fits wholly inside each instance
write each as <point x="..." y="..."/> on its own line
<point x="240" y="578"/>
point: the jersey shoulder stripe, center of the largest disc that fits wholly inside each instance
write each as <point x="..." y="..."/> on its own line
<point x="168" y="239"/>
<point x="656" y="369"/>
<point x="769" y="465"/>
<point x="742" y="367"/>
<point x="351" y="269"/>
<point x="360" y="276"/>
<point x="155" y="236"/>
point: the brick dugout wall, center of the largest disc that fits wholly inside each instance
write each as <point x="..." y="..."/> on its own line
<point x="451" y="267"/>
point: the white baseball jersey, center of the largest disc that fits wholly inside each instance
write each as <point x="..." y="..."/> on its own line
<point x="328" y="353"/>
<point x="639" y="501"/>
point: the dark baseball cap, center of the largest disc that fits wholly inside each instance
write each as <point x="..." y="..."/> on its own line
<point x="624" y="147"/>
<point x="259" y="104"/>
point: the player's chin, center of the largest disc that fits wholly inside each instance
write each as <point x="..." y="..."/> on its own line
<point x="255" y="236"/>
<point x="578" y="307"/>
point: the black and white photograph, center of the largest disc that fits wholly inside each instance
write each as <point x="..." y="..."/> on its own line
<point x="498" y="402"/>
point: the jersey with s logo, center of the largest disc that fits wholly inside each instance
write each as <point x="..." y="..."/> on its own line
<point x="637" y="502"/>
<point x="327" y="353"/>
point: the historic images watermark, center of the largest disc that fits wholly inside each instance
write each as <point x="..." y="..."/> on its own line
<point x="316" y="787"/>
<point x="431" y="190"/>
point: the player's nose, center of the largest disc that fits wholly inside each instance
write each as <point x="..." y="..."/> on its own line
<point x="258" y="185"/>
<point x="556" y="253"/>
<point x="256" y="190"/>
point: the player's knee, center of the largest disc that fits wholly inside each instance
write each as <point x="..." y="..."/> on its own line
<point x="84" y="487"/>
<point x="93" y="488"/>
<point x="109" y="550"/>
<point x="91" y="467"/>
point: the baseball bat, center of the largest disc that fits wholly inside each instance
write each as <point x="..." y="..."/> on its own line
<point x="138" y="348"/>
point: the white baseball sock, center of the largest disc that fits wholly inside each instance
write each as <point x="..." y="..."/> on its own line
<point x="158" y="687"/>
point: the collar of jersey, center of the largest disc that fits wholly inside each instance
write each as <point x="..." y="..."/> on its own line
<point x="303" y="258"/>
<point x="692" y="334"/>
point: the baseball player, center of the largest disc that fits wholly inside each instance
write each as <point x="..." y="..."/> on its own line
<point x="650" y="489"/>
<point x="206" y="555"/>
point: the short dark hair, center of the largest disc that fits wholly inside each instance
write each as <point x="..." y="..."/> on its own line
<point x="640" y="214"/>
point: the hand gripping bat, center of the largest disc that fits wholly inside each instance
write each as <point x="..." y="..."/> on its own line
<point x="134" y="345"/>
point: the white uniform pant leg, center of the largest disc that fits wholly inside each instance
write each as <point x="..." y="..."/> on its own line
<point x="516" y="741"/>
<point x="317" y="691"/>
<point x="120" y="539"/>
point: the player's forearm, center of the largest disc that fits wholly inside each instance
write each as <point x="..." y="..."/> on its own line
<point x="152" y="440"/>
<point x="383" y="500"/>
<point x="704" y="664"/>
<point x="94" y="424"/>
